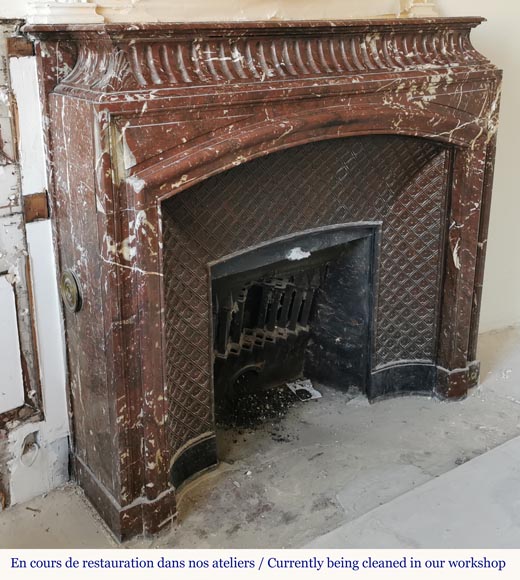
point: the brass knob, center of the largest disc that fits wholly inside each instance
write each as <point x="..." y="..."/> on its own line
<point x="71" y="291"/>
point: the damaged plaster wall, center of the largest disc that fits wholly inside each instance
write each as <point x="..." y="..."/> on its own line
<point x="13" y="255"/>
<point x="34" y="443"/>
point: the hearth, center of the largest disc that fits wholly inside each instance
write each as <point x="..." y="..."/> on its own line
<point x="298" y="307"/>
<point x="254" y="203"/>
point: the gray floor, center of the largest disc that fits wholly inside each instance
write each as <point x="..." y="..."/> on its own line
<point x="340" y="472"/>
<point x="474" y="506"/>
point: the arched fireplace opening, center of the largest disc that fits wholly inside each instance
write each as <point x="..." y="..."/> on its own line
<point x="320" y="262"/>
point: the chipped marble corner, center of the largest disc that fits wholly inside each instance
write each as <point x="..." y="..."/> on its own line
<point x="455" y="383"/>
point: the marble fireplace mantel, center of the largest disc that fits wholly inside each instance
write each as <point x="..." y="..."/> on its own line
<point x="138" y="113"/>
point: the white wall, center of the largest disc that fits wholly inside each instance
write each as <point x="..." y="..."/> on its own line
<point x="13" y="8"/>
<point x="13" y="325"/>
<point x="47" y="467"/>
<point x="499" y="40"/>
<point x="63" y="11"/>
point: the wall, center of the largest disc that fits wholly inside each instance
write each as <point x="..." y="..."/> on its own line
<point x="13" y="9"/>
<point x="196" y="10"/>
<point x="58" y="11"/>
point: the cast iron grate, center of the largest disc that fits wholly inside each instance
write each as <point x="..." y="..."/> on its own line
<point x="265" y="310"/>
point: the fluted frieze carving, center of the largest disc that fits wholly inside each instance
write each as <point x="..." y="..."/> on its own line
<point x="115" y="58"/>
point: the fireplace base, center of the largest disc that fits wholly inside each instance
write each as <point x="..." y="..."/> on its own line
<point x="425" y="379"/>
<point x="143" y="517"/>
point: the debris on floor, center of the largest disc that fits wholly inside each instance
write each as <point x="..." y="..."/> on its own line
<point x="326" y="464"/>
<point x="250" y="410"/>
<point x="304" y="390"/>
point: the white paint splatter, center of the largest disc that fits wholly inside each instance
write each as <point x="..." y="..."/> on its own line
<point x="297" y="254"/>
<point x="456" y="259"/>
<point x="136" y="182"/>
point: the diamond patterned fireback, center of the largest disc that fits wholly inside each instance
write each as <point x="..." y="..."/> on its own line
<point x="400" y="181"/>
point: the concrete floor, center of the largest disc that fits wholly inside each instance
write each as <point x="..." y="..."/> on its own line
<point x="474" y="506"/>
<point x="329" y="473"/>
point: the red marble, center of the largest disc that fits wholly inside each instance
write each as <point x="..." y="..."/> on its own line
<point x="138" y="113"/>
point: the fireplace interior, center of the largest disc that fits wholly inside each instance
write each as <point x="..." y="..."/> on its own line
<point x="294" y="308"/>
<point x="321" y="261"/>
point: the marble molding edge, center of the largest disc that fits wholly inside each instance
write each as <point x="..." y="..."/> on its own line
<point x="115" y="58"/>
